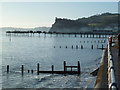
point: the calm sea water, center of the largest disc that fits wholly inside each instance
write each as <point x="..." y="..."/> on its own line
<point x="29" y="50"/>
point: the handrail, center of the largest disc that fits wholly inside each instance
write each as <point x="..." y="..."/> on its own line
<point x="111" y="72"/>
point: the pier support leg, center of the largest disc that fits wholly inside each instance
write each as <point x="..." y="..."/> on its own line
<point x="75" y="35"/>
<point x="81" y="35"/>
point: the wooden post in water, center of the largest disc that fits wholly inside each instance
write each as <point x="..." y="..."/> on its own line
<point x="87" y="35"/>
<point x="7" y="68"/>
<point x="69" y="34"/>
<point x="71" y="69"/>
<point x="64" y="67"/>
<point x="66" y="47"/>
<point x="90" y="35"/>
<point x="22" y="69"/>
<point x="52" y="69"/>
<point x="81" y="35"/>
<point x="84" y="35"/>
<point x="104" y="41"/>
<point x="75" y="35"/>
<point x="98" y="41"/>
<point x="92" y="47"/>
<point x="72" y="46"/>
<point x="99" y="35"/>
<point x="76" y="46"/>
<point x="28" y="71"/>
<point x="97" y="46"/>
<point x="38" y="68"/>
<point x="81" y="46"/>
<point x="78" y="68"/>
<point x="51" y="35"/>
<point x="93" y="35"/>
<point x="63" y="34"/>
<point x="32" y="71"/>
<point x="56" y="34"/>
<point x="102" y="46"/>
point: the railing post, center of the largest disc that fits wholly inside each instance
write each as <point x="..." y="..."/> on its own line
<point x="110" y="41"/>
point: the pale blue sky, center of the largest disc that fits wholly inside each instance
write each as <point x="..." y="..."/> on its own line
<point x="35" y="14"/>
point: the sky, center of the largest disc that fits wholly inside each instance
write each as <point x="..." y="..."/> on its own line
<point x="38" y="14"/>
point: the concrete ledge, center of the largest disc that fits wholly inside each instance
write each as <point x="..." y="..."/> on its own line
<point x="101" y="80"/>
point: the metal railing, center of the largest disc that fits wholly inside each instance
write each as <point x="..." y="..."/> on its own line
<point x="111" y="71"/>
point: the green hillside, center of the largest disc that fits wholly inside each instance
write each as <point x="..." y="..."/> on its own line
<point x="97" y="21"/>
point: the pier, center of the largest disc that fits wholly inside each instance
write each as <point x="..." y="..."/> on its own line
<point x="81" y="34"/>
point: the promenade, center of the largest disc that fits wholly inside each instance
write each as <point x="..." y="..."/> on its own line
<point x="116" y="62"/>
<point x="103" y="76"/>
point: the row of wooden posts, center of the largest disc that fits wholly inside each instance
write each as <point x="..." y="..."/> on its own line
<point x="99" y="41"/>
<point x="52" y="71"/>
<point x="77" y="47"/>
<point x="75" y="35"/>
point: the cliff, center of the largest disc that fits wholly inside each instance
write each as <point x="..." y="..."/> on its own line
<point x="105" y="21"/>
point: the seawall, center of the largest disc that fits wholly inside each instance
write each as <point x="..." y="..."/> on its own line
<point x="101" y="80"/>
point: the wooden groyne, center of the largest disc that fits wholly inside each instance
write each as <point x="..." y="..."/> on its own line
<point x="52" y="71"/>
<point x="102" y="47"/>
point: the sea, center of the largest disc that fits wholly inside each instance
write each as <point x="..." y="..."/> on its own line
<point x="48" y="50"/>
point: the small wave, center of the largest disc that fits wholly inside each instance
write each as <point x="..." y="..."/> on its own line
<point x="48" y="77"/>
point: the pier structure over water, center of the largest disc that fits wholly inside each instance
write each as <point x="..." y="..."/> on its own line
<point x="82" y="34"/>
